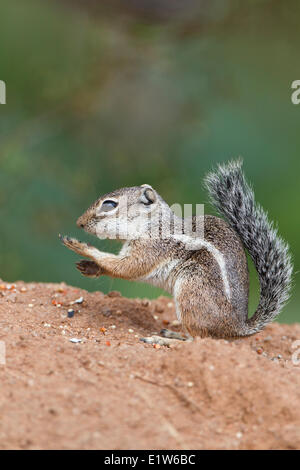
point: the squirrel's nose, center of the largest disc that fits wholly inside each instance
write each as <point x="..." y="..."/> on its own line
<point x="80" y="223"/>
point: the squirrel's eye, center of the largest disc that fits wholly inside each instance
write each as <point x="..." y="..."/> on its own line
<point x="108" y="206"/>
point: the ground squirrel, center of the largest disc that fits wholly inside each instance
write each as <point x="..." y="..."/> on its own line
<point x="206" y="272"/>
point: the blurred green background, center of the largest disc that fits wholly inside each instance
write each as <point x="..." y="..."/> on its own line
<point x="100" y="96"/>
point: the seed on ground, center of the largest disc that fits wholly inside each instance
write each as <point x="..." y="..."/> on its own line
<point x="75" y="340"/>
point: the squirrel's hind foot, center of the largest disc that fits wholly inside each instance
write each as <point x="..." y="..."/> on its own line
<point x="167" y="338"/>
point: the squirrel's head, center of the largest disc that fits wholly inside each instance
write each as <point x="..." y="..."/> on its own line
<point x="125" y="214"/>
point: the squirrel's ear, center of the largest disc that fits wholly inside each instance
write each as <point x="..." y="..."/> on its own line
<point x="148" y="195"/>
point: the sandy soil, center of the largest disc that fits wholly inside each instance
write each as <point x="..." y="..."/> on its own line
<point x="111" y="391"/>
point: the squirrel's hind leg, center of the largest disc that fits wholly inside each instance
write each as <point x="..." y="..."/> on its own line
<point x="203" y="307"/>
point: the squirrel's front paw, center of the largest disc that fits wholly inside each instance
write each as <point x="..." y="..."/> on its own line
<point x="75" y="245"/>
<point x="88" y="268"/>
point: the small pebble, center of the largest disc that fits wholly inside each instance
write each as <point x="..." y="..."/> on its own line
<point x="106" y="311"/>
<point x="130" y="330"/>
<point x="12" y="297"/>
<point x="75" y="340"/>
<point x="30" y="305"/>
<point x="159" y="309"/>
<point x="239" y="435"/>
<point x="71" y="313"/>
<point x="114" y="293"/>
<point x="78" y="301"/>
<point x="268" y="338"/>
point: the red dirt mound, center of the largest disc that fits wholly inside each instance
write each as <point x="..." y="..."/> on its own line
<point x="111" y="391"/>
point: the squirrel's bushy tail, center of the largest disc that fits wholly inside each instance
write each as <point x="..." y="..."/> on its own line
<point x="234" y="199"/>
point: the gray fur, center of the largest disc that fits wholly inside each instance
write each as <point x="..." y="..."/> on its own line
<point x="234" y="199"/>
